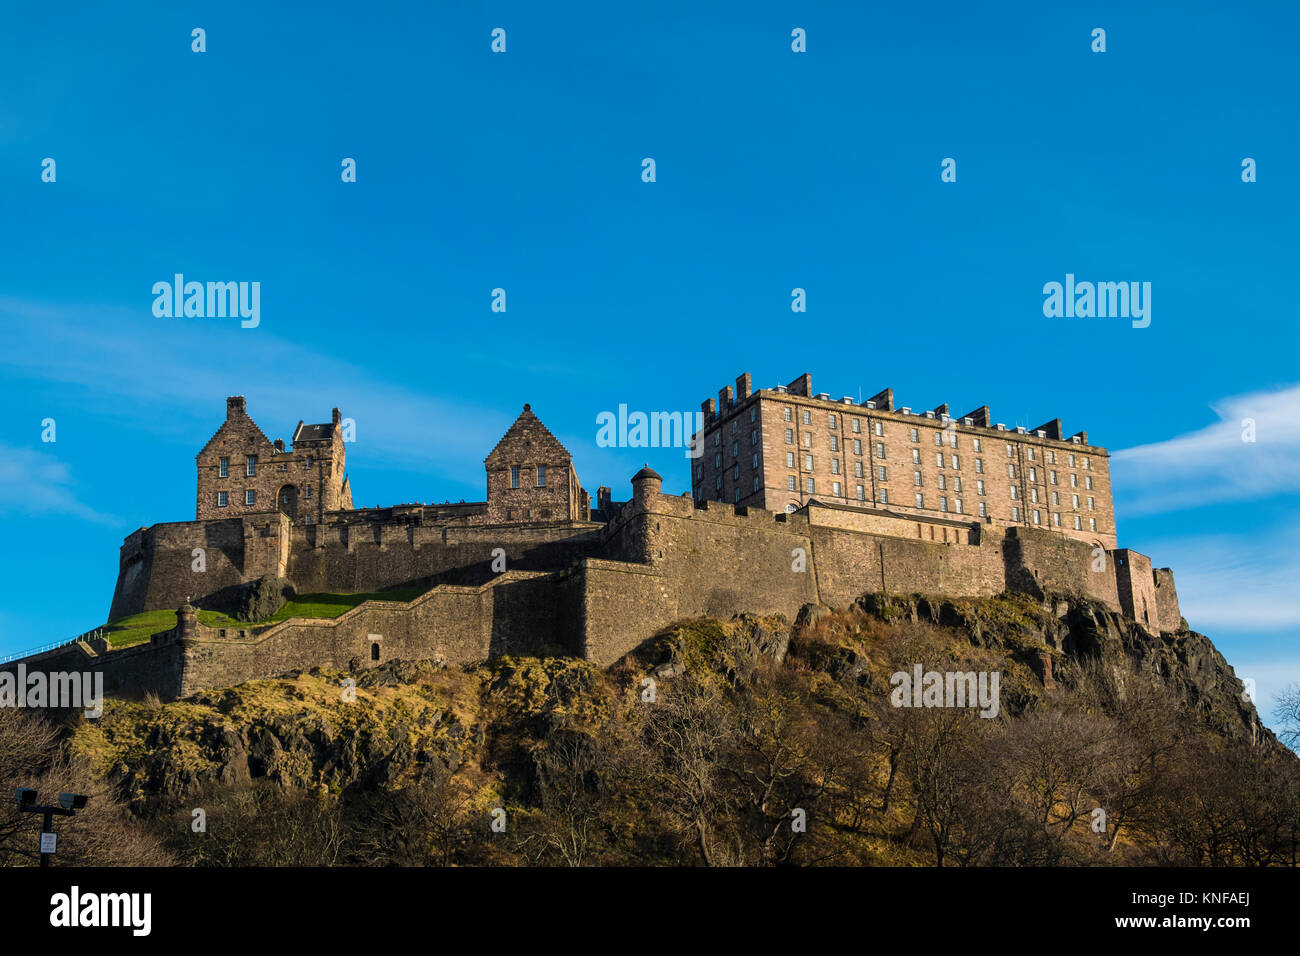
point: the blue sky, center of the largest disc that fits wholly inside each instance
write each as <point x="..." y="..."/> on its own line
<point x="522" y="171"/>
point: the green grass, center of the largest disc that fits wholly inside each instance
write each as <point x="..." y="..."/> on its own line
<point x="140" y="627"/>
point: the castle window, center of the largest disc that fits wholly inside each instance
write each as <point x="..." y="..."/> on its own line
<point x="977" y="445"/>
<point x="514" y="476"/>
<point x="791" y="482"/>
<point x="718" y="483"/>
<point x="756" y="482"/>
<point x="1015" y="513"/>
<point x="1038" y="516"/>
<point x="835" y="443"/>
<point x="862" y="493"/>
<point x="1033" y="474"/>
<point x="979" y="486"/>
<point x="753" y="414"/>
<point x="1014" y="492"/>
<point x="222" y="499"/>
<point x="1071" y="461"/>
<point x="717" y="439"/>
<point x="541" y="476"/>
<point x="857" y="425"/>
<point x="753" y="436"/>
<point x="916" y="455"/>
<point x="1011" y="471"/>
<point x="810" y="485"/>
<point x="984" y="510"/>
<point x="1074" y="499"/>
<point x="884" y="496"/>
<point x="956" y="483"/>
<point x="374" y="650"/>
<point x="857" y="446"/>
<point x="737" y="495"/>
<point x="1092" y="504"/>
<point x="1086" y="466"/>
<point x="250" y="497"/>
<point x="880" y="449"/>
<point x="789" y="414"/>
<point x="916" y="435"/>
<point x="735" y="473"/>
<point x="956" y="461"/>
<point x="835" y="488"/>
<point x="1087" y="481"/>
<point x="308" y="491"/>
<point x="755" y="459"/>
<point x="1011" y="451"/>
<point x="938" y="438"/>
<point x="959" y="511"/>
<point x="1056" y="519"/>
<point x="835" y="466"/>
<point x="916" y="478"/>
<point x="979" y="466"/>
<point x="938" y="458"/>
<point x="878" y="428"/>
<point x="833" y="420"/>
<point x="807" y="417"/>
<point x="1052" y="476"/>
<point x="1033" y="495"/>
<point x="250" y="465"/>
<point x="735" y="425"/>
<point x="789" y="436"/>
<point x="920" y="500"/>
<point x="1074" y="481"/>
<point x="789" y="459"/>
<point x="857" y="469"/>
<point x="717" y="460"/>
<point x="807" y="439"/>
<point x="1051" y="457"/>
<point x="223" y="468"/>
<point x="883" y="473"/>
<point x="1092" y="524"/>
<point x="310" y="461"/>
<point x="1078" y="523"/>
<point x="735" y="449"/>
<point x="1056" y="499"/>
<point x="1031" y="454"/>
<point x="808" y="462"/>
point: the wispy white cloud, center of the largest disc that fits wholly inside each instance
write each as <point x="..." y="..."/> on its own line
<point x="147" y="370"/>
<point x="37" y="483"/>
<point x="1215" y="465"/>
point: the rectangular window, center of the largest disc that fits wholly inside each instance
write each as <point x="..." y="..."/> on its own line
<point x="956" y="461"/>
<point x="916" y="478"/>
<point x="920" y="500"/>
<point x="755" y="459"/>
<point x="835" y="443"/>
<point x="943" y="482"/>
<point x="835" y="466"/>
<point x="250" y="497"/>
<point x="1031" y="454"/>
<point x="756" y="482"/>
<point x="1011" y="471"/>
<point x="938" y="458"/>
<point x="916" y="435"/>
<point x="1056" y="519"/>
<point x="833" y="420"/>
<point x="984" y="510"/>
<point x="1052" y="476"/>
<point x="857" y="469"/>
<point x="222" y="499"/>
<point x="789" y="414"/>
<point x="1011" y="451"/>
<point x="789" y="459"/>
<point x="717" y="483"/>
<point x="977" y="445"/>
<point x="857" y="426"/>
<point x="1074" y="481"/>
<point x="790" y="483"/>
<point x="879" y="429"/>
<point x="943" y="502"/>
<point x="857" y="446"/>
<point x="1092" y="524"/>
<point x="1078" y="523"/>
<point x="1087" y="482"/>
<point x="514" y="475"/>
<point x="309" y="491"/>
<point x="807" y="462"/>
<point x="753" y="414"/>
<point x="883" y="473"/>
<point x="938" y="438"/>
<point x="223" y="468"/>
<point x="862" y="493"/>
<point x="1051" y="457"/>
<point x="979" y="486"/>
<point x="1056" y="499"/>
<point x="1071" y="461"/>
<point x="1014" y="492"/>
<point x="959" y="507"/>
<point x="807" y="439"/>
<point x="1074" y="501"/>
<point x="1092" y="504"/>
<point x="807" y="417"/>
<point x="835" y="488"/>
<point x="880" y="449"/>
<point x="1038" y="516"/>
<point x="979" y="466"/>
<point x="1015" y="513"/>
<point x="541" y="476"/>
<point x="884" y="496"/>
<point x="1033" y="474"/>
<point x="250" y="465"/>
<point x="737" y="494"/>
<point x="916" y="456"/>
<point x="789" y="436"/>
<point x="753" y="436"/>
<point x="956" y="483"/>
<point x="717" y="461"/>
<point x="810" y="485"/>
<point x="1033" y="495"/>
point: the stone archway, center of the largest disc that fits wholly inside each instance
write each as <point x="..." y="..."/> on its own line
<point x="286" y="501"/>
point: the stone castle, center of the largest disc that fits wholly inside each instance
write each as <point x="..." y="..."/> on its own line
<point x="793" y="503"/>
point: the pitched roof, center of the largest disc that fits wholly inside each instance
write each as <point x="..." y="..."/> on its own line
<point x="313" y="432"/>
<point x="232" y="418"/>
<point x="528" y="433"/>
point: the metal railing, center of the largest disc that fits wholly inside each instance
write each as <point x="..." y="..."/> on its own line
<point x="54" y="645"/>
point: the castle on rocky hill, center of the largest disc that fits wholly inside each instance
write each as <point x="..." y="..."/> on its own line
<point x="535" y="569"/>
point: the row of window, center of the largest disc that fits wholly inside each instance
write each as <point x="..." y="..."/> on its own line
<point x="250" y="497"/>
<point x="250" y="466"/>
<point x="540" y="476"/>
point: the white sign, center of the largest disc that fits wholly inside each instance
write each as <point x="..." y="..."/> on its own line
<point x="48" y="842"/>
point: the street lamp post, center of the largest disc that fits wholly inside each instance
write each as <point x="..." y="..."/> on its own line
<point x="69" y="803"/>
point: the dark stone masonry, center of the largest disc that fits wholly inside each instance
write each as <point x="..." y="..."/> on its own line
<point x="533" y="569"/>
